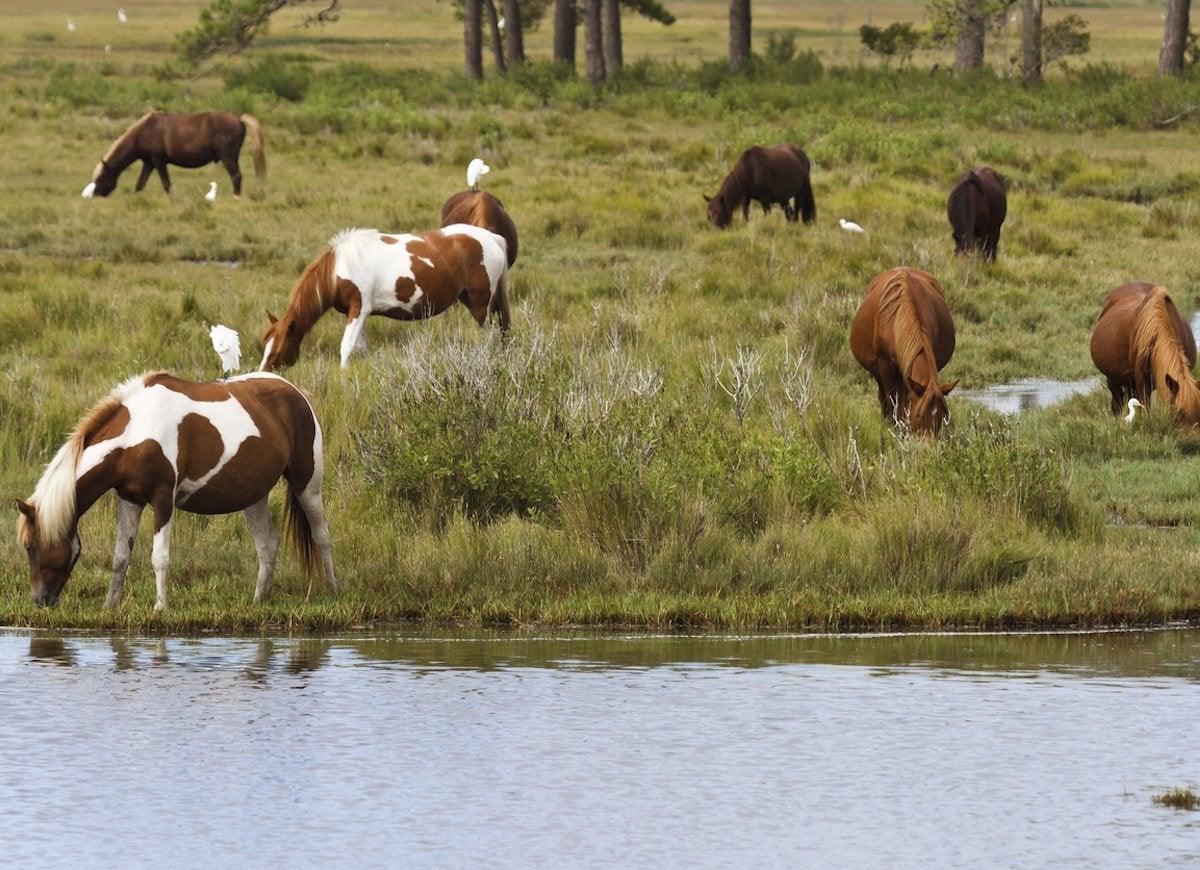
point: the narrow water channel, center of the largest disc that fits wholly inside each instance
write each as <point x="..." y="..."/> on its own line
<point x="599" y="751"/>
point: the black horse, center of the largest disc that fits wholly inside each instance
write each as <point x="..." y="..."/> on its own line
<point x="976" y="208"/>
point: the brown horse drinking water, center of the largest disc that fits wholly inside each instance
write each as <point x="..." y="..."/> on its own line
<point x="184" y="140"/>
<point x="976" y="207"/>
<point x="408" y="277"/>
<point x="479" y="208"/>
<point x="208" y="448"/>
<point x="1141" y="343"/>
<point x="903" y="334"/>
<point x="779" y="174"/>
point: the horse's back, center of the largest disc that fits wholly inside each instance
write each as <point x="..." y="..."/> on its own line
<point x="482" y="209"/>
<point x="1112" y="338"/>
<point x="871" y="333"/>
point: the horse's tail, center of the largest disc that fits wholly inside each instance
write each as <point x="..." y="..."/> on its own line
<point x="256" y="138"/>
<point x="499" y="303"/>
<point x="300" y="531"/>
<point x="962" y="212"/>
<point x="1157" y="347"/>
<point x="808" y="206"/>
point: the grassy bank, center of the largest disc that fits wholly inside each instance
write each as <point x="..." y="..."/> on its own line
<point x="596" y="469"/>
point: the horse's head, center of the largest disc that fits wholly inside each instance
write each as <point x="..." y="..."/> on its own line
<point x="719" y="212"/>
<point x="929" y="410"/>
<point x="104" y="180"/>
<point x="281" y="343"/>
<point x="50" y="564"/>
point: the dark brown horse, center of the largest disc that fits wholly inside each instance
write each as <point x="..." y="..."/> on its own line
<point x="184" y="140"/>
<point x="976" y="207"/>
<point x="1140" y="344"/>
<point x="903" y="334"/>
<point x="479" y="208"/>
<point x="404" y="276"/>
<point x="207" y="448"/>
<point x="779" y="174"/>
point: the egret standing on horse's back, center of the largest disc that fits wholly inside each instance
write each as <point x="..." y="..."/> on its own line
<point x="480" y="209"/>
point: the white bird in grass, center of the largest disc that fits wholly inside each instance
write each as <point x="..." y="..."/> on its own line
<point x="1134" y="404"/>
<point x="121" y="16"/>
<point x="71" y="24"/>
<point x="476" y="169"/>
<point x="211" y="196"/>
<point x="850" y="226"/>
<point x="228" y="347"/>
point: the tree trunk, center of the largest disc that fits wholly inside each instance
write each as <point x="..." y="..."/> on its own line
<point x="613" y="60"/>
<point x="1174" y="44"/>
<point x="514" y="36"/>
<point x="494" y="34"/>
<point x="473" y="38"/>
<point x="593" y="48"/>
<point x="968" y="51"/>
<point x="1031" y="40"/>
<point x="564" y="31"/>
<point x="739" y="34"/>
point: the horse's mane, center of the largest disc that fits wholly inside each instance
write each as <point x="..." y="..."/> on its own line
<point x="1157" y="346"/>
<point x="307" y="302"/>
<point x="733" y="188"/>
<point x="480" y="211"/>
<point x="133" y="129"/>
<point x="896" y="305"/>
<point x="54" y="495"/>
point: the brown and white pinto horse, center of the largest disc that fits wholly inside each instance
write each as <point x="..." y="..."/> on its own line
<point x="779" y="174"/>
<point x="1140" y="344"/>
<point x="479" y="208"/>
<point x="903" y="334"/>
<point x="977" y="207"/>
<point x="208" y="448"/>
<point x="184" y="140"/>
<point x="407" y="277"/>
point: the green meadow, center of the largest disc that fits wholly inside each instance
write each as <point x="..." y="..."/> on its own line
<point x="675" y="433"/>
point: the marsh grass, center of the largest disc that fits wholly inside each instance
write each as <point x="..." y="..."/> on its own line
<point x="675" y="432"/>
<point x="1177" y="798"/>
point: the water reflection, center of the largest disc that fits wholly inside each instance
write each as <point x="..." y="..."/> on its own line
<point x="1027" y="394"/>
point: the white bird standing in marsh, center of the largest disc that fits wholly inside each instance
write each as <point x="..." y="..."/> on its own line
<point x="228" y="347"/>
<point x="476" y="169"/>
<point x="850" y="226"/>
<point x="1134" y="404"/>
<point x="211" y="196"/>
<point x="121" y="16"/>
<point x="71" y="24"/>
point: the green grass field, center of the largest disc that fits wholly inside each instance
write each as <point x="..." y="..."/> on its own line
<point x="595" y="470"/>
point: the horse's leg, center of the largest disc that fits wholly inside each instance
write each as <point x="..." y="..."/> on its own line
<point x="890" y="390"/>
<point x="746" y="209"/>
<point x="128" y="515"/>
<point x="160" y="554"/>
<point x="266" y="543"/>
<point x="354" y="338"/>
<point x="310" y="503"/>
<point x="235" y="173"/>
<point x="1116" y="389"/>
<point x="147" y="168"/>
<point x="163" y="176"/>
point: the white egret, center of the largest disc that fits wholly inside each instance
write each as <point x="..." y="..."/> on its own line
<point x="228" y="347"/>
<point x="71" y="24"/>
<point x="475" y="170"/>
<point x="211" y="196"/>
<point x="121" y="16"/>
<point x="850" y="226"/>
<point x="1134" y="404"/>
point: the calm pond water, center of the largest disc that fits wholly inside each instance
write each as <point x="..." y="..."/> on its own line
<point x="599" y="751"/>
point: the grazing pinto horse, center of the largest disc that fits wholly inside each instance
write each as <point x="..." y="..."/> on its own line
<point x="184" y="140"/>
<point x="208" y="448"/>
<point x="976" y="208"/>
<point x="408" y="277"/>
<point x="779" y="174"/>
<point x="480" y="209"/>
<point x="902" y="334"/>
<point x="1141" y="343"/>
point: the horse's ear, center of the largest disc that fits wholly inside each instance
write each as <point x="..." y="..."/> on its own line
<point x="271" y="317"/>
<point x="707" y="198"/>
<point x="946" y="388"/>
<point x="27" y="509"/>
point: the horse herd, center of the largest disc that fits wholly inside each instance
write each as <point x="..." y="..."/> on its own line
<point x="219" y="447"/>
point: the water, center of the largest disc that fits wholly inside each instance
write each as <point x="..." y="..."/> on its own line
<point x="586" y="751"/>
<point x="1027" y="394"/>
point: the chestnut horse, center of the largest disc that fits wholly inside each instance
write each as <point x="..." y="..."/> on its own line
<point x="1141" y="343"/>
<point x="407" y="277"/>
<point x="208" y="448"/>
<point x="184" y="140"/>
<point x="779" y="174"/>
<point x="976" y="207"/>
<point x="479" y="208"/>
<point x="903" y="334"/>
